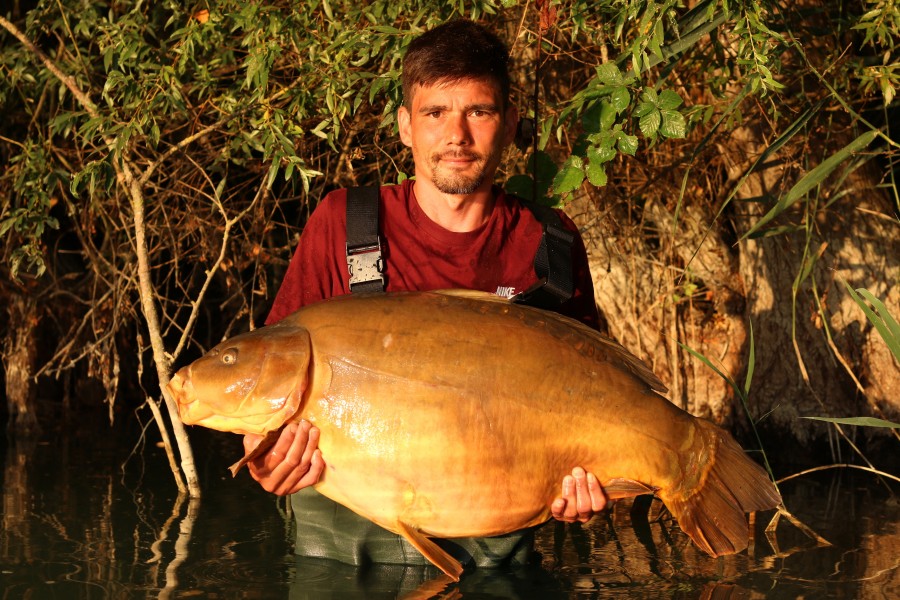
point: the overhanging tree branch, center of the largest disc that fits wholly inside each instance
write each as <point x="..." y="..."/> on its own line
<point x="132" y="187"/>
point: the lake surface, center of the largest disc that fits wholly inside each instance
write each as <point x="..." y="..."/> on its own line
<point x="89" y="512"/>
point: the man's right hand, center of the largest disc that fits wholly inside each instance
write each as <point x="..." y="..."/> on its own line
<point x="293" y="463"/>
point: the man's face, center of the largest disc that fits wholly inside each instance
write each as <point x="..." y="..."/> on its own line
<point x="457" y="132"/>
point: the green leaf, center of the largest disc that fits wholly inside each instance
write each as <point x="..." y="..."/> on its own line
<point x="607" y="115"/>
<point x="220" y="188"/>
<point x="521" y="186"/>
<point x="591" y="120"/>
<point x="673" y="124"/>
<point x="318" y="131"/>
<point x="644" y="108"/>
<point x="627" y="144"/>
<point x="596" y="174"/>
<point x="610" y="74"/>
<point x="570" y="176"/>
<point x="878" y="315"/>
<point x="650" y="96"/>
<point x="814" y="178"/>
<point x="669" y="99"/>
<point x="862" y="421"/>
<point x="620" y="98"/>
<point x="649" y="123"/>
<point x="273" y="172"/>
<point x="378" y="84"/>
<point x="751" y="363"/>
<point x="715" y="369"/>
<point x="603" y="152"/>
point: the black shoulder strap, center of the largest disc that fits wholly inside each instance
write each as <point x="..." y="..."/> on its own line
<point x="552" y="263"/>
<point x="365" y="262"/>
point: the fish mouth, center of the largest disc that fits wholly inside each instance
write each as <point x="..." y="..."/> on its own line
<point x="193" y="409"/>
<point x="180" y="388"/>
<point x="182" y="391"/>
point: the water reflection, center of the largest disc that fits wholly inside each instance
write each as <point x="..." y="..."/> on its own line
<point x="75" y="524"/>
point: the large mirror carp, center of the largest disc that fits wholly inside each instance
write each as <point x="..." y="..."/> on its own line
<point x="430" y="403"/>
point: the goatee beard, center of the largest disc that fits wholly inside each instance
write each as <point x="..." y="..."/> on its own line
<point x="450" y="182"/>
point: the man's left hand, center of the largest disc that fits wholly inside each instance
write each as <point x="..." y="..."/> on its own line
<point x="582" y="498"/>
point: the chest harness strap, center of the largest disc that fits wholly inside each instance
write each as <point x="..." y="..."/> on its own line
<point x="366" y="264"/>
<point x="552" y="262"/>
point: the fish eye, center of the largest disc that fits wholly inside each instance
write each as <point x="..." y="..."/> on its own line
<point x="229" y="357"/>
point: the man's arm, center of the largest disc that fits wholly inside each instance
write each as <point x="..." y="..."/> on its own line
<point x="583" y="305"/>
<point x="318" y="268"/>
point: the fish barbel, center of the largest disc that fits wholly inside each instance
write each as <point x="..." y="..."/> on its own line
<point x="429" y="403"/>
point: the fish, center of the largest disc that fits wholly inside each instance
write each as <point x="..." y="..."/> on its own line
<point x="456" y="414"/>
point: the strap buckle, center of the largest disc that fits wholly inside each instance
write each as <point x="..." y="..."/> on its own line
<point x="365" y="265"/>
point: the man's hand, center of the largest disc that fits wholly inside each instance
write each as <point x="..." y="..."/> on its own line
<point x="293" y="463"/>
<point x="582" y="498"/>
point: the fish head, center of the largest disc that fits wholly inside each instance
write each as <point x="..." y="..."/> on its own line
<point x="251" y="383"/>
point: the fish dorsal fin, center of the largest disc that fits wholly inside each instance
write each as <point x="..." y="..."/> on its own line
<point x="632" y="364"/>
<point x="473" y="295"/>
<point x="437" y="555"/>
<point x="611" y="348"/>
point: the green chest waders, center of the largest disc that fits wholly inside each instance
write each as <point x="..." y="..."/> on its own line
<point x="326" y="529"/>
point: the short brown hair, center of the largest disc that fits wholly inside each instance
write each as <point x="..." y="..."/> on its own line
<point x="454" y="51"/>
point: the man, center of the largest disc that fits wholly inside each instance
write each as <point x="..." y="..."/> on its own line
<point x="447" y="228"/>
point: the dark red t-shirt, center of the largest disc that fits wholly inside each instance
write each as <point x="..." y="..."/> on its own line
<point x="421" y="255"/>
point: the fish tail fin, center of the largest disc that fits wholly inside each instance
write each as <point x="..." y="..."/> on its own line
<point x="713" y="513"/>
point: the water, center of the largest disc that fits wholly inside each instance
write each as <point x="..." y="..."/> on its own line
<point x="85" y="518"/>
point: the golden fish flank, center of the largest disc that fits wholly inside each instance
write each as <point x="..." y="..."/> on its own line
<point x="406" y="388"/>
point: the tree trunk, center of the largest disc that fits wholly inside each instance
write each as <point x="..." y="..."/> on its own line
<point x="19" y="352"/>
<point x="661" y="281"/>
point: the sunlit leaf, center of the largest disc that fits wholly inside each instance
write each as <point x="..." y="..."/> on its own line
<point x="861" y="421"/>
<point x="673" y="124"/>
<point x="644" y="108"/>
<point x="620" y="98"/>
<point x="628" y="144"/>
<point x="610" y="74"/>
<point x="878" y="315"/>
<point x="596" y="173"/>
<point x="814" y="178"/>
<point x="607" y="115"/>
<point x="650" y="123"/>
<point x="669" y="99"/>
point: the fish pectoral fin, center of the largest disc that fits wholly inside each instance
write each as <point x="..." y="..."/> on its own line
<point x="625" y="488"/>
<point x="264" y="444"/>
<point x="437" y="555"/>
